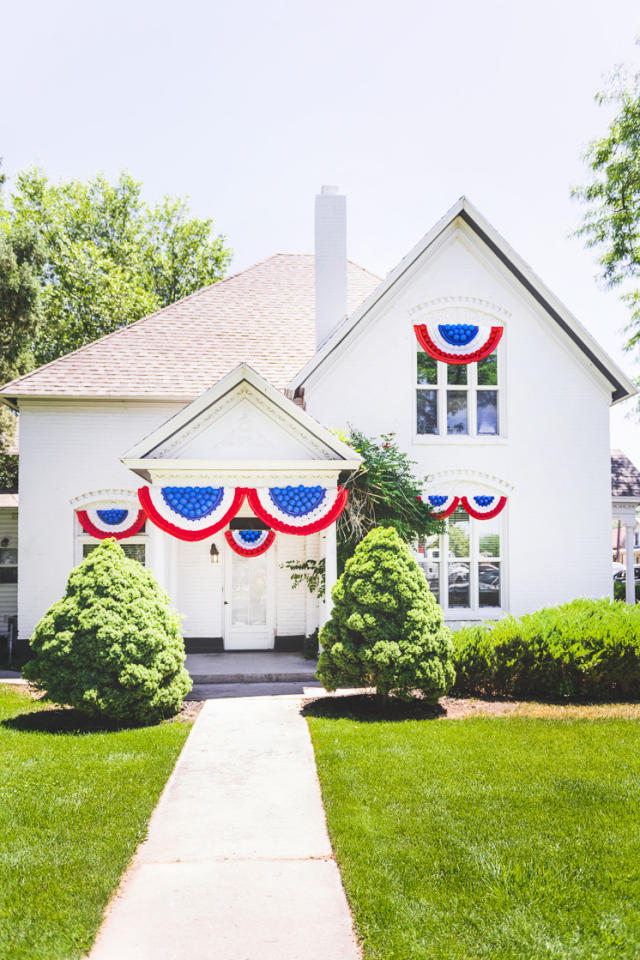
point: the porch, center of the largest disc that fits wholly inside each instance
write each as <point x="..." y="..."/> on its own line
<point x="248" y="666"/>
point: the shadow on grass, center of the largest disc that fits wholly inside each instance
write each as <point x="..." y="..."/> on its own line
<point x="60" y="720"/>
<point x="368" y="709"/>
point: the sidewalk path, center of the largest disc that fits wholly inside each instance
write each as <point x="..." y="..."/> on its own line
<point x="237" y="864"/>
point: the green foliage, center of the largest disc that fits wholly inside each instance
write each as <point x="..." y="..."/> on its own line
<point x="310" y="646"/>
<point x="620" y="590"/>
<point x="386" y="629"/>
<point x="384" y="492"/>
<point x="587" y="649"/>
<point x="112" y="646"/>
<point x="109" y="258"/>
<point x="612" y="196"/>
<point x="309" y="572"/>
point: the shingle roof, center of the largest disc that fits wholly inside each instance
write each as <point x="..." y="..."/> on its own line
<point x="263" y="316"/>
<point x="625" y="477"/>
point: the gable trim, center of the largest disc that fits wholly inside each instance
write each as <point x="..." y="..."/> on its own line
<point x="621" y="386"/>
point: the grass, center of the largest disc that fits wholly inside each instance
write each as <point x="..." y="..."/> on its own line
<point x="74" y="804"/>
<point x="511" y="838"/>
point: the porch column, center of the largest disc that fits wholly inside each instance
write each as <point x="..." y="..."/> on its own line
<point x="629" y="542"/>
<point x="330" y="570"/>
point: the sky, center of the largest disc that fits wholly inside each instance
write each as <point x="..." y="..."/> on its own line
<point x="248" y="107"/>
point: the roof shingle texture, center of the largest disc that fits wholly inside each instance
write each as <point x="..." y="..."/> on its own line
<point x="263" y="316"/>
<point x="625" y="477"/>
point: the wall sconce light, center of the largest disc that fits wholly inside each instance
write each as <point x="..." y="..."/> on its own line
<point x="214" y="554"/>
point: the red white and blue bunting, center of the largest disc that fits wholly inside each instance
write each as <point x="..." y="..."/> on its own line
<point x="457" y="343"/>
<point x="250" y="543"/>
<point x="111" y="521"/>
<point x="299" y="510"/>
<point x="191" y="513"/>
<point x="482" y="507"/>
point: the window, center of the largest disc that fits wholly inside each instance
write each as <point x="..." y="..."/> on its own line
<point x="134" y="551"/>
<point x="8" y="565"/>
<point x="457" y="400"/>
<point x="463" y="566"/>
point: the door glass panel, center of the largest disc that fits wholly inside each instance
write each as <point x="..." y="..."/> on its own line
<point x="249" y="591"/>
<point x="457" y="411"/>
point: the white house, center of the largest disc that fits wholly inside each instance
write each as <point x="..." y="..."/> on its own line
<point x="202" y="435"/>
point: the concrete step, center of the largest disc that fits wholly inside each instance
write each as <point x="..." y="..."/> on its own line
<point x="276" y="677"/>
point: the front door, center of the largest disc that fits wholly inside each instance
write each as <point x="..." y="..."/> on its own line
<point x="249" y="594"/>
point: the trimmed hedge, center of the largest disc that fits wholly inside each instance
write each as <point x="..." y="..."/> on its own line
<point x="112" y="647"/>
<point x="587" y="649"/>
<point x="386" y="629"/>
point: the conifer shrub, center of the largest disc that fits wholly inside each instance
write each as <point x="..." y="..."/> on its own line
<point x="112" y="647"/>
<point x="586" y="649"/>
<point x="386" y="629"/>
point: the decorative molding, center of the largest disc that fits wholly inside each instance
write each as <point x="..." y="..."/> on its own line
<point x="625" y="511"/>
<point x="242" y="478"/>
<point x="471" y="306"/>
<point x="463" y="479"/>
<point x="246" y="393"/>
<point x="106" y="497"/>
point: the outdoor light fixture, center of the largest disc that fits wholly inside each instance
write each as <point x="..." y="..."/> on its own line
<point x="214" y="554"/>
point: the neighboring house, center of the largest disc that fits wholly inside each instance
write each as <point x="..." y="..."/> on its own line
<point x="625" y="493"/>
<point x="220" y="409"/>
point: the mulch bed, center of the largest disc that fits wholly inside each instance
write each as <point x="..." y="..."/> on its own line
<point x="365" y="707"/>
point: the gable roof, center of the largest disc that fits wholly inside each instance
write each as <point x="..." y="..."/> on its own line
<point x="264" y="315"/>
<point x="625" y="476"/>
<point x="163" y="446"/>
<point x="621" y="385"/>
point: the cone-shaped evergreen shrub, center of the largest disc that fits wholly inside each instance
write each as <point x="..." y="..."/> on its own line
<point x="386" y="629"/>
<point x="112" y="647"/>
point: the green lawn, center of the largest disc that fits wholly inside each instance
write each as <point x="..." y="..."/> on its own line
<point x="73" y="807"/>
<point x="487" y="837"/>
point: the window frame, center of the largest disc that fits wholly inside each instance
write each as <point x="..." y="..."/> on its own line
<point x="82" y="537"/>
<point x="442" y="388"/>
<point x="474" y="611"/>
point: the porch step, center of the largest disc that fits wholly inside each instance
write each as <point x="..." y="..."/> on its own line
<point x="301" y="677"/>
<point x="250" y="667"/>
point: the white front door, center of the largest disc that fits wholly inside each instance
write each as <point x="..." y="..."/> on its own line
<point x="249" y="601"/>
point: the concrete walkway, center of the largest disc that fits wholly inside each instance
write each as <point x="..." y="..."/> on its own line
<point x="237" y="864"/>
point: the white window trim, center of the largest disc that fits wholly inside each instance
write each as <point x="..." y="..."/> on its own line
<point x="472" y="438"/>
<point x="81" y="537"/>
<point x="475" y="613"/>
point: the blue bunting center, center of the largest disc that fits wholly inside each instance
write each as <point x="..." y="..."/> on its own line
<point x="193" y="503"/>
<point x="249" y="536"/>
<point x="437" y="501"/>
<point x="484" y="500"/>
<point x="112" y="517"/>
<point x="458" y="334"/>
<point x="297" y="501"/>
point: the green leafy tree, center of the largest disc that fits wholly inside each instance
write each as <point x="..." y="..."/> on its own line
<point x="386" y="629"/>
<point x="112" y="647"/>
<point x="109" y="257"/>
<point x="611" y="222"/>
<point x="383" y="492"/>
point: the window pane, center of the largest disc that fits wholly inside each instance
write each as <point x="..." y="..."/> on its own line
<point x="488" y="411"/>
<point x="429" y="563"/>
<point x="427" y="406"/>
<point x="8" y="574"/>
<point x="489" y="538"/>
<point x="134" y="551"/>
<point x="457" y="411"/>
<point x="488" y="371"/>
<point x="489" y="584"/>
<point x="459" y="584"/>
<point x="8" y="556"/>
<point x="427" y="369"/>
<point x="459" y="526"/>
<point x="456" y="374"/>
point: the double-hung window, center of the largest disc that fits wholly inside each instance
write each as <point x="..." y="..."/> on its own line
<point x="464" y="566"/>
<point x="457" y="399"/>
